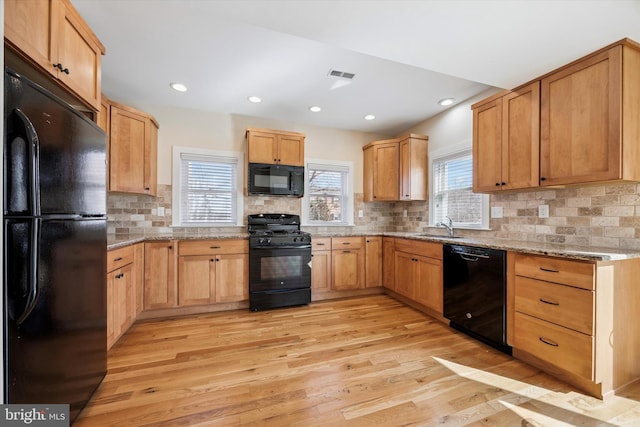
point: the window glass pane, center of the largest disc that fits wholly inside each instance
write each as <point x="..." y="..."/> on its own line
<point x="327" y="193"/>
<point x="453" y="178"/>
<point x="208" y="189"/>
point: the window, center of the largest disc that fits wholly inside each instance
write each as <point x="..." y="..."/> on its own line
<point x="328" y="195"/>
<point x="452" y="180"/>
<point x="206" y="188"/>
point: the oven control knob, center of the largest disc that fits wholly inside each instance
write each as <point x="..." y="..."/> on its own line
<point x="267" y="240"/>
<point x="295" y="239"/>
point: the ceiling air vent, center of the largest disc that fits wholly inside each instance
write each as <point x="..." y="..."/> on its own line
<point x="343" y="74"/>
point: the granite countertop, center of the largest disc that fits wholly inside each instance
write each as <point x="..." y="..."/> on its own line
<point x="550" y="249"/>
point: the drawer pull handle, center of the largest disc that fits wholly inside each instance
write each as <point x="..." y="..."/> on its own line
<point x="214" y="247"/>
<point x="320" y="244"/>
<point x="548" y="270"/>
<point x="346" y="252"/>
<point x="549" y="302"/>
<point x="117" y="259"/>
<point x="346" y="243"/>
<point x="547" y="342"/>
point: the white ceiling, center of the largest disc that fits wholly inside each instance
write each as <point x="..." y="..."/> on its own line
<point x="406" y="54"/>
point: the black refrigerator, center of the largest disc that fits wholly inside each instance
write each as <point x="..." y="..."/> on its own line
<point x="54" y="264"/>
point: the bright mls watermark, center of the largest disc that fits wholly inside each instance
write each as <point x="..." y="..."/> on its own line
<point x="34" y="415"/>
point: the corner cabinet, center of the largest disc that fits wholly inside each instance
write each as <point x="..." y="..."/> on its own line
<point x="506" y="140"/>
<point x="589" y="126"/>
<point x="133" y="150"/>
<point x="58" y="42"/>
<point x="395" y="169"/>
<point x="275" y="147"/>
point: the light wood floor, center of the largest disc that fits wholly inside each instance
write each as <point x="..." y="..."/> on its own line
<point x="362" y="362"/>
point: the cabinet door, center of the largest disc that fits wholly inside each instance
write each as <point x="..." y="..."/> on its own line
<point x="124" y="298"/>
<point x="196" y="280"/>
<point x="126" y="151"/>
<point x="405" y="274"/>
<point x="521" y="138"/>
<point x="487" y="146"/>
<point x="321" y="271"/>
<point x="385" y="172"/>
<point x="367" y="173"/>
<point x="580" y="121"/>
<point x="79" y="56"/>
<point x="413" y="169"/>
<point x="388" y="270"/>
<point x="150" y="185"/>
<point x="159" y="275"/>
<point x="291" y="150"/>
<point x="262" y="147"/>
<point x="429" y="287"/>
<point x="347" y="267"/>
<point x="35" y="43"/>
<point x="373" y="262"/>
<point x="138" y="277"/>
<point x="232" y="277"/>
<point x="112" y="310"/>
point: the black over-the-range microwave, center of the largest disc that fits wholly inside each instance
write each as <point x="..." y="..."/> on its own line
<point x="276" y="180"/>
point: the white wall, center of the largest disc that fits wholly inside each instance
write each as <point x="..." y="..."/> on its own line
<point x="204" y="129"/>
<point x="453" y="126"/>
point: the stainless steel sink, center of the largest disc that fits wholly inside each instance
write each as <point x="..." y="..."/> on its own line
<point x="437" y="236"/>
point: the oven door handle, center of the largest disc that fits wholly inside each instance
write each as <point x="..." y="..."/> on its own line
<point x="283" y="247"/>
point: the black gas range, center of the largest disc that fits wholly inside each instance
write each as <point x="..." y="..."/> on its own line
<point x="279" y="262"/>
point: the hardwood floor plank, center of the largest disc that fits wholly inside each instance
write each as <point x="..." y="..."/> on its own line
<point x="358" y="362"/>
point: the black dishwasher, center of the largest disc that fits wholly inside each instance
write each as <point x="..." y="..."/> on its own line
<point x="475" y="293"/>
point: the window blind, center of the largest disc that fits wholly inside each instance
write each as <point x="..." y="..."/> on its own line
<point x="452" y="187"/>
<point x="208" y="189"/>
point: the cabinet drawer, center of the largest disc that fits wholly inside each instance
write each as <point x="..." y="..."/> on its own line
<point x="321" y="243"/>
<point x="346" y="243"/>
<point x="120" y="257"/>
<point x="211" y="247"/>
<point x="428" y="249"/>
<point x="567" y="272"/>
<point x="559" y="304"/>
<point x="562" y="347"/>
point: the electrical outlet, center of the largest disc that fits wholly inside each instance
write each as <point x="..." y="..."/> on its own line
<point x="404" y="213"/>
<point x="160" y="211"/>
<point x="543" y="211"/>
<point x="496" y="212"/>
<point x="360" y="213"/>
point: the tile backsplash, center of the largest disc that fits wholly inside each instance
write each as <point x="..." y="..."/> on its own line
<point x="598" y="215"/>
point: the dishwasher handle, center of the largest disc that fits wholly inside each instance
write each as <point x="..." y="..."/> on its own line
<point x="472" y="257"/>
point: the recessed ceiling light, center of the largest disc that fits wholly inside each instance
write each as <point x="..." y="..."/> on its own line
<point x="446" y="101"/>
<point x="315" y="109"/>
<point x="179" y="87"/>
<point x="255" y="99"/>
<point x="369" y="117"/>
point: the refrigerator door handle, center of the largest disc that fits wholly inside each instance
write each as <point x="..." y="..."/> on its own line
<point x="34" y="249"/>
<point x="32" y="153"/>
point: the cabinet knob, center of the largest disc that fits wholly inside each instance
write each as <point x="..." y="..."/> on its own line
<point x="212" y="260"/>
<point x="406" y="195"/>
<point x="497" y="184"/>
<point x="147" y="188"/>
<point x="170" y="247"/>
<point x="542" y="178"/>
<point x="504" y="183"/>
<point x="118" y="259"/>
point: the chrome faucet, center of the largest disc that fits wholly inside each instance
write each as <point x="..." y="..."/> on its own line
<point x="448" y="226"/>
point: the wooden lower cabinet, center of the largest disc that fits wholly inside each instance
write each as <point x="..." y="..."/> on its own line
<point x="123" y="282"/>
<point x="576" y="319"/>
<point x="159" y="275"/>
<point x="347" y="262"/>
<point x="320" y="264"/>
<point x="212" y="271"/>
<point x="418" y="272"/>
<point x="388" y="269"/>
<point x="373" y="261"/>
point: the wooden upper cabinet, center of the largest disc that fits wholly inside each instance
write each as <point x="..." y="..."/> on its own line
<point x="381" y="170"/>
<point x="51" y="35"/>
<point x="506" y="141"/>
<point x="275" y="147"/>
<point x="413" y="167"/>
<point x="133" y="151"/>
<point x="589" y="126"/>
